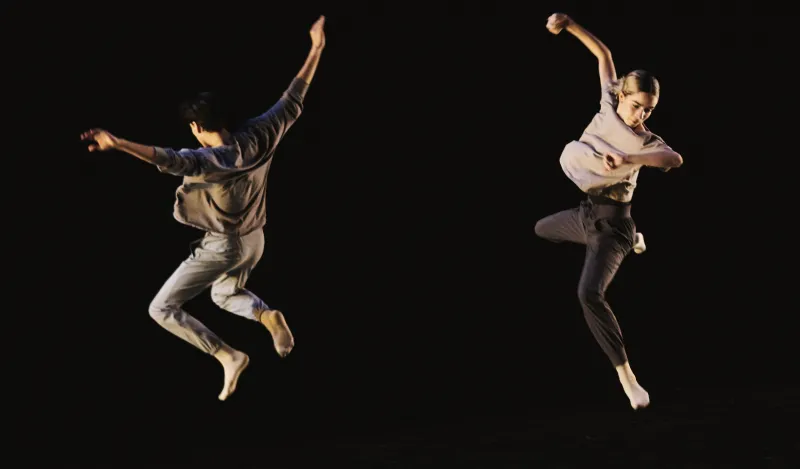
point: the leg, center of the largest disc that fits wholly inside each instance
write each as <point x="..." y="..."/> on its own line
<point x="228" y="293"/>
<point x="188" y="281"/>
<point x="563" y="226"/>
<point x="604" y="255"/>
<point x="194" y="275"/>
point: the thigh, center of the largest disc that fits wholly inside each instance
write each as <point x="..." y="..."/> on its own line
<point x="566" y="225"/>
<point x="211" y="260"/>
<point x="233" y="280"/>
<point x="608" y="242"/>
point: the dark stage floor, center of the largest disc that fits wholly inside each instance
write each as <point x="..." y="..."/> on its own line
<point x="684" y="428"/>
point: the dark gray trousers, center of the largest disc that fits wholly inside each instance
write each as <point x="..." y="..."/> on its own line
<point x="607" y="230"/>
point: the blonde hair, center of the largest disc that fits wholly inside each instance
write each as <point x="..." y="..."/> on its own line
<point x="634" y="82"/>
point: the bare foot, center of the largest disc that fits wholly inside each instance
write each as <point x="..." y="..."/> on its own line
<point x="638" y="245"/>
<point x="636" y="393"/>
<point x="233" y="362"/>
<point x="281" y="335"/>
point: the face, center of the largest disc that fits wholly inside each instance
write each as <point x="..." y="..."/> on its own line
<point x="635" y="108"/>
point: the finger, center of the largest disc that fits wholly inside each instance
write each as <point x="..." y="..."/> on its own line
<point x="93" y="147"/>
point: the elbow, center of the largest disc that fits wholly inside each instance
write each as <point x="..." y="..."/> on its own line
<point x="296" y="111"/>
<point x="676" y="161"/>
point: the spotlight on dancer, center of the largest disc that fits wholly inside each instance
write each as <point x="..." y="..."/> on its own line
<point x="223" y="194"/>
<point x="604" y="163"/>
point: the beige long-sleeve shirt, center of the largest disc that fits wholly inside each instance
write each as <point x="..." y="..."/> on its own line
<point x="583" y="160"/>
<point x="224" y="188"/>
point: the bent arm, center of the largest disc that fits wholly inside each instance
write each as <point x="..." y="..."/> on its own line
<point x="661" y="158"/>
<point x="605" y="62"/>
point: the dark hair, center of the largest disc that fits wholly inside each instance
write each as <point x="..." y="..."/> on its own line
<point x="636" y="81"/>
<point x="208" y="110"/>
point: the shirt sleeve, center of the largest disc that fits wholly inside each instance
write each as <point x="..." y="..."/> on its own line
<point x="262" y="133"/>
<point x="189" y="162"/>
<point x="654" y="142"/>
<point x="608" y="100"/>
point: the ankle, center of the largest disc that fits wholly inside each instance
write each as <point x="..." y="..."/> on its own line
<point x="224" y="353"/>
<point x="265" y="316"/>
<point x="625" y="373"/>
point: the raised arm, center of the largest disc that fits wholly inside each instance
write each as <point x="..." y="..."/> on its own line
<point x="559" y="21"/>
<point x="268" y="128"/>
<point x="317" y="34"/>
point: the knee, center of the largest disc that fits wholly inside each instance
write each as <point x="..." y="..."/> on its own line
<point x="541" y="228"/>
<point x="590" y="296"/>
<point x="220" y="294"/>
<point x="160" y="311"/>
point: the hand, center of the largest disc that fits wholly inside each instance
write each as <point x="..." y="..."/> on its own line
<point x="613" y="160"/>
<point x="102" y="140"/>
<point x="558" y="21"/>
<point x="318" y="33"/>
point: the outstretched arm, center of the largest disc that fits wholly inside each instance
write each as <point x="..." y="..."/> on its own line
<point x="559" y="21"/>
<point x="104" y="140"/>
<point x="185" y="162"/>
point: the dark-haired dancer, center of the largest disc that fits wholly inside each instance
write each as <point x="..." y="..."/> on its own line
<point x="604" y="163"/>
<point x="224" y="194"/>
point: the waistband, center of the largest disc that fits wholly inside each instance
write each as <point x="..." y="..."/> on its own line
<point x="605" y="207"/>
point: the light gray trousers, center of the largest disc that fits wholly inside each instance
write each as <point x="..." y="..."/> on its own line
<point x="223" y="263"/>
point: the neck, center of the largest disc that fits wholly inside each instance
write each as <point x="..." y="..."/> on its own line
<point x="217" y="139"/>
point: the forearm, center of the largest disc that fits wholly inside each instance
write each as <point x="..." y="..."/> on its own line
<point x="310" y="66"/>
<point x="656" y="159"/>
<point x="589" y="40"/>
<point x="146" y="153"/>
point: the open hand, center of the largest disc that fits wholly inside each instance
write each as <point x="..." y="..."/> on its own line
<point x="318" y="33"/>
<point x="557" y="22"/>
<point x="102" y="140"/>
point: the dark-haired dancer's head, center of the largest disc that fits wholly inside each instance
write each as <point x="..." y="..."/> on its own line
<point x="207" y="116"/>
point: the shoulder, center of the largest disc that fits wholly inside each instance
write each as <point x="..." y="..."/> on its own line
<point x="652" y="141"/>
<point x="608" y="97"/>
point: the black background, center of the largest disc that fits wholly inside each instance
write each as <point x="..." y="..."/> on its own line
<point x="431" y="324"/>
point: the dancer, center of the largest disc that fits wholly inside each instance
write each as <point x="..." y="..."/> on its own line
<point x="604" y="163"/>
<point x="224" y="194"/>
